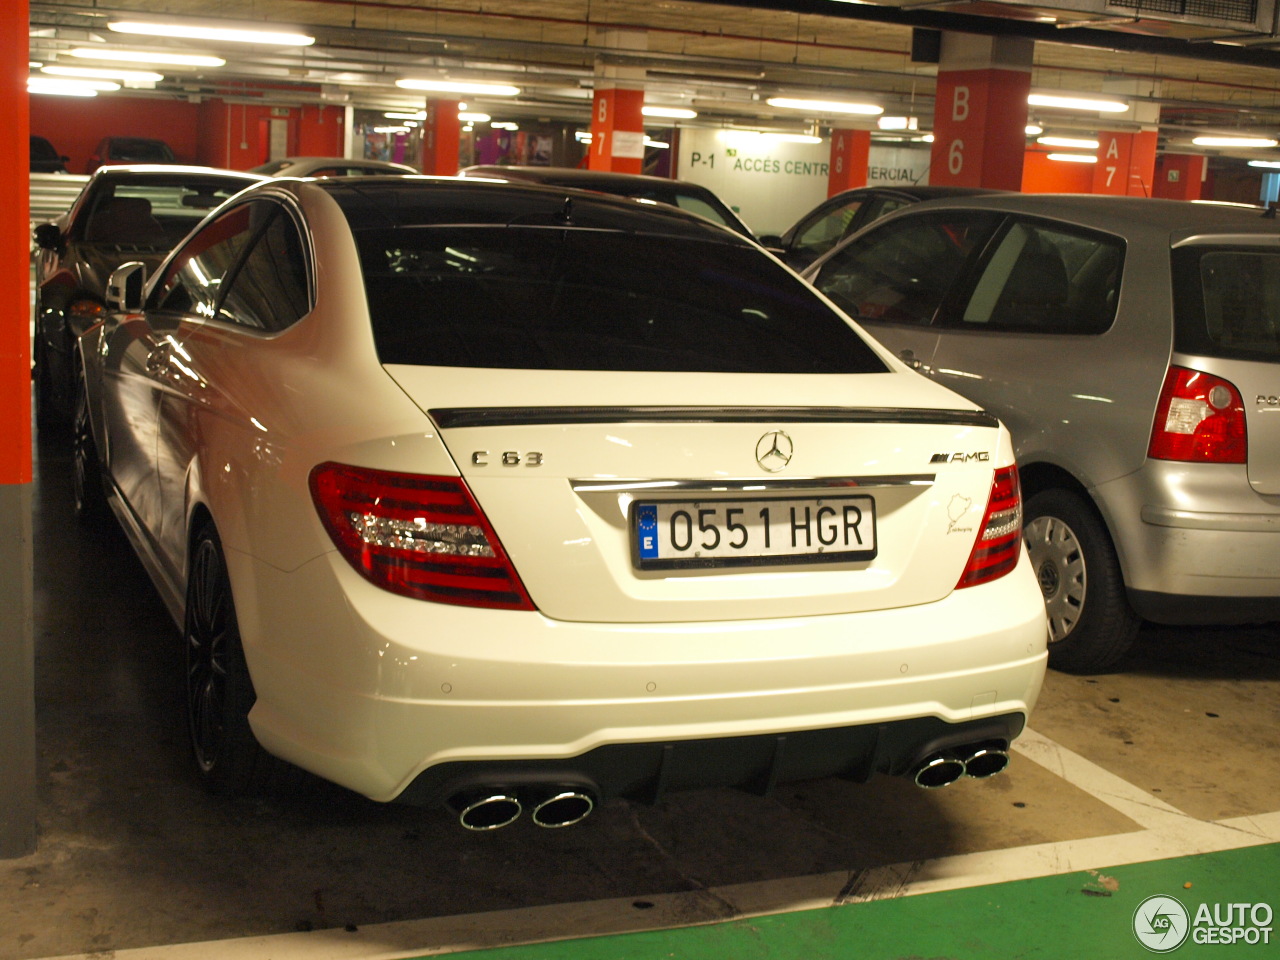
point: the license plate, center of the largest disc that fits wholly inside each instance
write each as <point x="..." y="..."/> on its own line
<point x="723" y="533"/>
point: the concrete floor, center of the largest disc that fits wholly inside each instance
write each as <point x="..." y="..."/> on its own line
<point x="1137" y="765"/>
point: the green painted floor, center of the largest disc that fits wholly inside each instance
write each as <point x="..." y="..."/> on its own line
<point x="1068" y="916"/>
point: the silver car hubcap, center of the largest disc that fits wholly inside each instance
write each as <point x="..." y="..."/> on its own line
<point x="1058" y="562"/>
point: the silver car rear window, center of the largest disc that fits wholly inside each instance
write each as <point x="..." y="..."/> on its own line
<point x="1227" y="302"/>
<point x="583" y="299"/>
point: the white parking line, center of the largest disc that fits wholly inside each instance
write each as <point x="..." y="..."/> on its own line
<point x="1166" y="832"/>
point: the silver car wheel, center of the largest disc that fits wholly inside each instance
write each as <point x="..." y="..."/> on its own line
<point x="1058" y="562"/>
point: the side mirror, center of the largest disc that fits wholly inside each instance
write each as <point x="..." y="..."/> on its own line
<point x="124" y="288"/>
<point x="48" y="236"/>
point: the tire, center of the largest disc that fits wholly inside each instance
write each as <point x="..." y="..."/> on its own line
<point x="219" y="690"/>
<point x="88" y="486"/>
<point x="1091" y="625"/>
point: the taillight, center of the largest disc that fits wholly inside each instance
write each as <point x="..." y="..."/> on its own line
<point x="1000" y="543"/>
<point x="1199" y="419"/>
<point x="420" y="536"/>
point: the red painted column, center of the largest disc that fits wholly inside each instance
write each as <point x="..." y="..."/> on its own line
<point x="850" y="160"/>
<point x="441" y="135"/>
<point x="1180" y="176"/>
<point x="617" y="131"/>
<point x="1126" y="163"/>
<point x="15" y="253"/>
<point x="980" y="114"/>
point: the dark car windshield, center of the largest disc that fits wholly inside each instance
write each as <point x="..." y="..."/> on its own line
<point x="580" y="299"/>
<point x="1227" y="301"/>
<point x="134" y="150"/>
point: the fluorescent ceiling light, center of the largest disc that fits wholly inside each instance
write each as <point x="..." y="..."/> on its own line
<point x="63" y="88"/>
<point x="104" y="73"/>
<point x="671" y="113"/>
<point x="1096" y="104"/>
<point x="148" y="56"/>
<point x="1233" y="142"/>
<point x="927" y="138"/>
<point x="1073" y="157"/>
<point x="755" y="136"/>
<point x="394" y="115"/>
<point x="467" y="117"/>
<point x="582" y="136"/>
<point x="458" y="86"/>
<point x="1073" y="143"/>
<point x="897" y="123"/>
<point x="505" y="125"/>
<point x="1268" y="164"/>
<point x="390" y="129"/>
<point x="656" y="144"/>
<point x="1033" y="130"/>
<point x="191" y="32"/>
<point x="826" y="106"/>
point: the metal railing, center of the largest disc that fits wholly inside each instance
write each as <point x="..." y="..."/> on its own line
<point x="53" y="193"/>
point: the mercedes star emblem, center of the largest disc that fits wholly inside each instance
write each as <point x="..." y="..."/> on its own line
<point x="773" y="451"/>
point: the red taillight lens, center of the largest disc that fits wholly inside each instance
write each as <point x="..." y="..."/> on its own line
<point x="421" y="536"/>
<point x="1000" y="542"/>
<point x="1199" y="419"/>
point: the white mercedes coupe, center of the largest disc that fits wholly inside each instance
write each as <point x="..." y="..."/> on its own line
<point x="521" y="499"/>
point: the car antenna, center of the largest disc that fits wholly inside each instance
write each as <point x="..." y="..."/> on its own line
<point x="565" y="214"/>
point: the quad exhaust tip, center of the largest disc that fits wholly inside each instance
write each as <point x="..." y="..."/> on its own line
<point x="978" y="761"/>
<point x="491" y="809"/>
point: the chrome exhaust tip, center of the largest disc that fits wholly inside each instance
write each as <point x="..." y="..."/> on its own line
<point x="940" y="770"/>
<point x="986" y="760"/>
<point x="563" y="809"/>
<point x="485" y="810"/>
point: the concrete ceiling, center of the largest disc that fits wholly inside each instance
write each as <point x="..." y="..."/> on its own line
<point x="1206" y="64"/>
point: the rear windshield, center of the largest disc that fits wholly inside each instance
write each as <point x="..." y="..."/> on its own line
<point x="1227" y="301"/>
<point x="556" y="299"/>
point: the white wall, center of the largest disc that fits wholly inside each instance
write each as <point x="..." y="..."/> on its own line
<point x="771" y="183"/>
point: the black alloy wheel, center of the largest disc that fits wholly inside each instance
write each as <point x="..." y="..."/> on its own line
<point x="219" y="691"/>
<point x="1091" y="625"/>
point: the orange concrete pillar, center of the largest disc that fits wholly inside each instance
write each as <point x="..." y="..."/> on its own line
<point x="15" y="255"/>
<point x="1180" y="176"/>
<point x="850" y="160"/>
<point x="980" y="114"/>
<point x="1126" y="163"/>
<point x="441" y="136"/>
<point x="617" y="131"/>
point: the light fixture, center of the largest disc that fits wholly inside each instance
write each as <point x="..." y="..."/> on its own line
<point x="1033" y="130"/>
<point x="1071" y="142"/>
<point x="1096" y="104"/>
<point x="104" y="73"/>
<point x="148" y="56"/>
<point x="670" y="113"/>
<point x="471" y="117"/>
<point x="826" y="106"/>
<point x="582" y="136"/>
<point x="459" y="86"/>
<point x="1233" y="142"/>
<point x="897" y="123"/>
<point x="1073" y="157"/>
<point x="395" y="115"/>
<point x="656" y="144"/>
<point x="195" y="32"/>
<point x="1267" y="164"/>
<point x="755" y="136"/>
<point x="927" y="138"/>
<point x="53" y="86"/>
<point x="390" y="129"/>
<point x="505" y="125"/>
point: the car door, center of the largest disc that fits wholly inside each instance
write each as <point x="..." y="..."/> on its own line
<point x="145" y="361"/>
<point x="894" y="277"/>
<point x="214" y="363"/>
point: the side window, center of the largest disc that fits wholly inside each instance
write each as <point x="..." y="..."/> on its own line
<point x="1045" y="279"/>
<point x="699" y="206"/>
<point x="903" y="270"/>
<point x="193" y="279"/>
<point x="824" y="232"/>
<point x="269" y="291"/>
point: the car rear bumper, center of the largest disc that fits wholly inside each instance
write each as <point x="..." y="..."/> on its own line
<point x="386" y="692"/>
<point x="1192" y="538"/>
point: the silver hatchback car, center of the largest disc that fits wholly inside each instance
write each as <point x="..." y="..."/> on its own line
<point x="1132" y="347"/>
